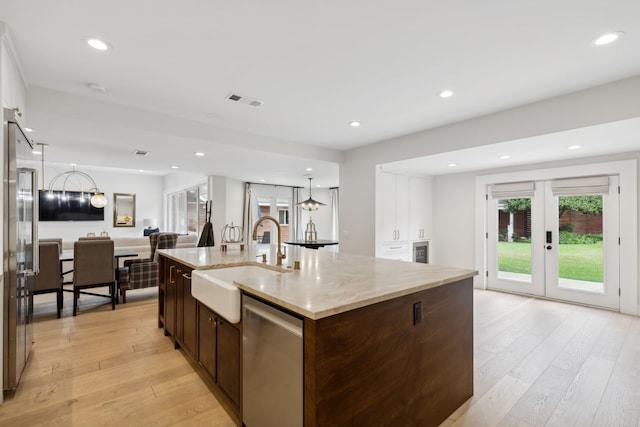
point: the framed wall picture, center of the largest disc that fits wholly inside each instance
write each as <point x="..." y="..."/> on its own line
<point x="124" y="210"/>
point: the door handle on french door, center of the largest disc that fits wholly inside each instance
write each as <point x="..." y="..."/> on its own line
<point x="549" y="247"/>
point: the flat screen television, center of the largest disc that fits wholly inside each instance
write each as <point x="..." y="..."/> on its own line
<point x="68" y="206"/>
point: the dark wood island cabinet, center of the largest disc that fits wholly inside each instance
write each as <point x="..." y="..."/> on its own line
<point x="405" y="359"/>
<point x="208" y="340"/>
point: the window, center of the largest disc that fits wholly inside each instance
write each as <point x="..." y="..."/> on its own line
<point x="186" y="210"/>
<point x="283" y="215"/>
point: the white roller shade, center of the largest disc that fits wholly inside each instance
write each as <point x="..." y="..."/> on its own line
<point x="512" y="190"/>
<point x="580" y="186"/>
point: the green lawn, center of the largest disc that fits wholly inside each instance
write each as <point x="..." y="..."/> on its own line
<point x="578" y="262"/>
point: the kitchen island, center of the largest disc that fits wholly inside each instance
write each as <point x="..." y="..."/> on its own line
<point x="384" y="342"/>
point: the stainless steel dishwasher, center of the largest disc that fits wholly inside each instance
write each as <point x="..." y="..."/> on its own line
<point x="272" y="377"/>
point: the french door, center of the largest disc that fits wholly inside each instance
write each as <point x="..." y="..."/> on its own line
<point x="556" y="238"/>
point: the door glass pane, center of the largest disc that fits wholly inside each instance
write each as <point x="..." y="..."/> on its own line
<point x="580" y="249"/>
<point x="192" y="210"/>
<point x="514" y="239"/>
<point x="264" y="208"/>
<point x="282" y="205"/>
<point x="203" y="196"/>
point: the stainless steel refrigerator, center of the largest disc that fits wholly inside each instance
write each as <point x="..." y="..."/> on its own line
<point x="20" y="225"/>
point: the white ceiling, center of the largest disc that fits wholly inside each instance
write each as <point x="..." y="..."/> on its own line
<point x="315" y="65"/>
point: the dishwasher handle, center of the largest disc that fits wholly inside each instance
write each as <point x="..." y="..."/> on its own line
<point x="282" y="323"/>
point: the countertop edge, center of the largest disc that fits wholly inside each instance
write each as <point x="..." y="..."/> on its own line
<point x="351" y="306"/>
<point x="209" y="260"/>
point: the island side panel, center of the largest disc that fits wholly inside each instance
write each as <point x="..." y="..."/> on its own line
<point x="373" y="366"/>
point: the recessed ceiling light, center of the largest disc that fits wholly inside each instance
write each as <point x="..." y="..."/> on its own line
<point x="198" y="153"/>
<point x="141" y="170"/>
<point x="98" y="44"/>
<point x="36" y="152"/>
<point x="175" y="167"/>
<point x="452" y="165"/>
<point x="505" y="157"/>
<point x="262" y="180"/>
<point x="607" y="38"/>
<point x="309" y="169"/>
<point x="446" y="94"/>
<point x="354" y="124"/>
<point x="574" y="147"/>
<point x="28" y="130"/>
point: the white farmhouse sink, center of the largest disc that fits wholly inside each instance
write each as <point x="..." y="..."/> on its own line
<point x="216" y="289"/>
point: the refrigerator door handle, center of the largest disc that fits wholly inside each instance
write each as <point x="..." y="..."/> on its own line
<point x="35" y="246"/>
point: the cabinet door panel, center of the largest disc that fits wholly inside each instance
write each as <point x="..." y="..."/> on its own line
<point x="189" y="305"/>
<point x="402" y="207"/>
<point x="170" y="299"/>
<point x="228" y="360"/>
<point x="420" y="209"/>
<point x="388" y="207"/>
<point x="207" y="340"/>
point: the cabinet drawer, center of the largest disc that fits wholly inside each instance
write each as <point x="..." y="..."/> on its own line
<point x="395" y="248"/>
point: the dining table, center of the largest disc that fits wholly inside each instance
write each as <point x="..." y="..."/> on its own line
<point x="118" y="253"/>
<point x="312" y="244"/>
<point x="67" y="256"/>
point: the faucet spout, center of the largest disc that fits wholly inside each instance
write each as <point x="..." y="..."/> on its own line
<point x="281" y="255"/>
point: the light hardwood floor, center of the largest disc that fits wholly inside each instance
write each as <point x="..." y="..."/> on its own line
<point x="537" y="363"/>
<point x="108" y="368"/>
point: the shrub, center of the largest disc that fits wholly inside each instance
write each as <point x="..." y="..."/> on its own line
<point x="571" y="238"/>
<point x="567" y="227"/>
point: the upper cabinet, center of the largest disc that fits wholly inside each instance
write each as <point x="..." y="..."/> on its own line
<point x="395" y="207"/>
<point x="403" y="213"/>
<point x="13" y="86"/>
<point x="420" y="218"/>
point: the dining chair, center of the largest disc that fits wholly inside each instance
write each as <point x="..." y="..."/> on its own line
<point x="57" y="240"/>
<point x="49" y="277"/>
<point x="93" y="267"/>
<point x="94" y="238"/>
<point x="144" y="272"/>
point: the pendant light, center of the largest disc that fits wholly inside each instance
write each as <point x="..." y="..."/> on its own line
<point x="310" y="204"/>
<point x="98" y="200"/>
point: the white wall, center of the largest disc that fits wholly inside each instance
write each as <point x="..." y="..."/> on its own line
<point x="453" y="210"/>
<point x="149" y="203"/>
<point x="580" y="109"/>
<point x="227" y="196"/>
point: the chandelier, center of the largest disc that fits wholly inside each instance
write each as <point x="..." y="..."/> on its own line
<point x="98" y="200"/>
<point x="310" y="204"/>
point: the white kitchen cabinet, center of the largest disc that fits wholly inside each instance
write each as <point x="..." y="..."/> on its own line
<point x="403" y="214"/>
<point x="400" y="251"/>
<point x="420" y="224"/>
<point x="395" y="207"/>
<point x="13" y="88"/>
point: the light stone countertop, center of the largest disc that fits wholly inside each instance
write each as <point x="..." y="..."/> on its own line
<point x="327" y="283"/>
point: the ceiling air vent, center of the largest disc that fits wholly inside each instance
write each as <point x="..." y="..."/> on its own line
<point x="244" y="100"/>
<point x="140" y="153"/>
